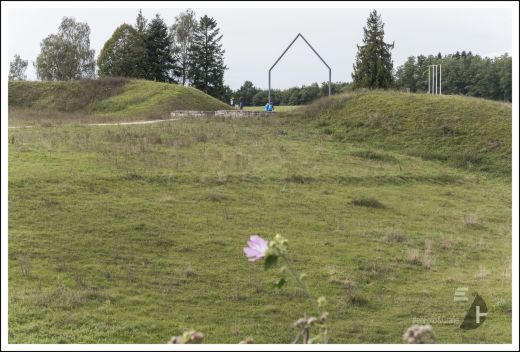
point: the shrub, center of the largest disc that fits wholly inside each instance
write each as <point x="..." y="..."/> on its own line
<point x="368" y="202"/>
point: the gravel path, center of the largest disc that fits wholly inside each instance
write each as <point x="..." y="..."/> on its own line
<point x="115" y="123"/>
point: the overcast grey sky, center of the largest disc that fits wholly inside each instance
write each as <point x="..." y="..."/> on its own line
<point x="254" y="38"/>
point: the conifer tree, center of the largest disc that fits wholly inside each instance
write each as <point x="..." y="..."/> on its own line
<point x="207" y="59"/>
<point x="161" y="66"/>
<point x="373" y="67"/>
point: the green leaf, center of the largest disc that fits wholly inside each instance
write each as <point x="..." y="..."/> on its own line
<point x="270" y="261"/>
<point x="280" y="283"/>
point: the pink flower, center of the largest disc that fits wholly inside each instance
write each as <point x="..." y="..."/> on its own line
<point x="257" y="248"/>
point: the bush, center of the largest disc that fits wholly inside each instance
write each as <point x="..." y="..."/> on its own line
<point x="368" y="202"/>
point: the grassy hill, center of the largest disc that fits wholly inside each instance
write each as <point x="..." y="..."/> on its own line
<point x="465" y="132"/>
<point x="109" y="97"/>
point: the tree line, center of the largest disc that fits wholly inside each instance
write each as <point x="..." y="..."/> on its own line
<point x="189" y="52"/>
<point x="250" y="95"/>
<point x="462" y="73"/>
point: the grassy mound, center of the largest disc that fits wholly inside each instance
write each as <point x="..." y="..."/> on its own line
<point x="465" y="132"/>
<point x="109" y="97"/>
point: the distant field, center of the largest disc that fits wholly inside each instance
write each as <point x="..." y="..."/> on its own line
<point x="276" y="108"/>
<point x="132" y="234"/>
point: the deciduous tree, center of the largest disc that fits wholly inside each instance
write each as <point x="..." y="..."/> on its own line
<point x="182" y="32"/>
<point x="17" y="69"/>
<point x="246" y="93"/>
<point x="66" y="55"/>
<point x="124" y="54"/>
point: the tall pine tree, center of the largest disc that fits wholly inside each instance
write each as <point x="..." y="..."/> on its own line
<point x="373" y="67"/>
<point x="160" y="64"/>
<point x="207" y="59"/>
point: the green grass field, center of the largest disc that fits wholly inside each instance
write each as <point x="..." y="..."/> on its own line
<point x="132" y="234"/>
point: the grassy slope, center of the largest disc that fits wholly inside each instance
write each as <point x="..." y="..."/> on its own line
<point x="109" y="98"/>
<point x="133" y="234"/>
<point x="470" y="133"/>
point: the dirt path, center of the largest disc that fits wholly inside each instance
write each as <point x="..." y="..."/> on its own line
<point x="114" y="123"/>
<point x="132" y="123"/>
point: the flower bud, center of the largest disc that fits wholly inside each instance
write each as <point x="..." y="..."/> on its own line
<point x="191" y="336"/>
<point x="196" y="337"/>
<point x="419" y="334"/>
<point x="324" y="317"/>
<point x="247" y="340"/>
<point x="281" y="240"/>
<point x="322" y="301"/>
<point x="175" y="340"/>
<point x="278" y="246"/>
<point x="311" y="321"/>
<point x="300" y="323"/>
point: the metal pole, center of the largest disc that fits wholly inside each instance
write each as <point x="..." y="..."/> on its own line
<point x="440" y="87"/>
<point x="330" y="74"/>
<point x="435" y="69"/>
<point x="435" y="80"/>
<point x="310" y="46"/>
<point x="437" y="77"/>
<point x="318" y="55"/>
<point x="429" y="79"/>
<point x="269" y="86"/>
<point x="277" y="62"/>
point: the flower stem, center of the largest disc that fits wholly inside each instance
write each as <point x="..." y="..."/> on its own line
<point x="302" y="284"/>
<point x="305" y="288"/>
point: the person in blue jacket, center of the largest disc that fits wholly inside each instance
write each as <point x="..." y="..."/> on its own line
<point x="268" y="107"/>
